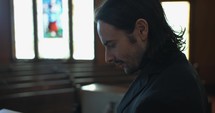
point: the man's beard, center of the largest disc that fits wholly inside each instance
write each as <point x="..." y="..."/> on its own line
<point x="131" y="71"/>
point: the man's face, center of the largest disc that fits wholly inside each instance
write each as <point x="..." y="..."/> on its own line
<point x="119" y="49"/>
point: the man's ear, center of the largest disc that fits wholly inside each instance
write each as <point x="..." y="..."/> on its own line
<point x="141" y="27"/>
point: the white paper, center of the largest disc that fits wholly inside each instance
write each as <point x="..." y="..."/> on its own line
<point x="8" y="111"/>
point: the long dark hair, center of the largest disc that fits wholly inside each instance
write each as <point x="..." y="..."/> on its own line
<point x="122" y="14"/>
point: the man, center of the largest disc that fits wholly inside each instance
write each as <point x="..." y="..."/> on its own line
<point x="138" y="39"/>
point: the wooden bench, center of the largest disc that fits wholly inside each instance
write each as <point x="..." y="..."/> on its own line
<point x="24" y="85"/>
<point x="31" y="88"/>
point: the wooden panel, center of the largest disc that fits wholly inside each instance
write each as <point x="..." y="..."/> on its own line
<point x="5" y="31"/>
<point x="203" y="38"/>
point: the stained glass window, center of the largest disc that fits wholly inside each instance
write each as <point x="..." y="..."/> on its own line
<point x="52" y="18"/>
<point x="52" y="29"/>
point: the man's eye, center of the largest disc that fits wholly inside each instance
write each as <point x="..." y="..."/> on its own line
<point x="111" y="45"/>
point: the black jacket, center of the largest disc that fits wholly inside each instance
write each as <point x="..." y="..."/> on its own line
<point x="169" y="87"/>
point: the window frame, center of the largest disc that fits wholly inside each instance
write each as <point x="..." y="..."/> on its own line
<point x="35" y="23"/>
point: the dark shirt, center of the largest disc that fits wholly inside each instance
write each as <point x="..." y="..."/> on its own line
<point x="169" y="87"/>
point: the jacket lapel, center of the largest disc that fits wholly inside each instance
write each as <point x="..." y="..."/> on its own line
<point x="138" y="85"/>
<point x="142" y="80"/>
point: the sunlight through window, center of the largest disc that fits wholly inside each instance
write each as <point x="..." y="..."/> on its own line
<point x="23" y="29"/>
<point x="83" y="29"/>
<point x="178" y="16"/>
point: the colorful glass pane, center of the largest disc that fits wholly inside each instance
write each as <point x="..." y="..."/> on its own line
<point x="52" y="12"/>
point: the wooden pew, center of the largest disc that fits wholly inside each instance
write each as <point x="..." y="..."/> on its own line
<point x="26" y="85"/>
<point x="36" y="89"/>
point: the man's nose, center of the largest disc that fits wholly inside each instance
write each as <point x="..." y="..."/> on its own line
<point x="109" y="58"/>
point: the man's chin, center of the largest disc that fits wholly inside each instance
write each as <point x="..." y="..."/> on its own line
<point x="129" y="71"/>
